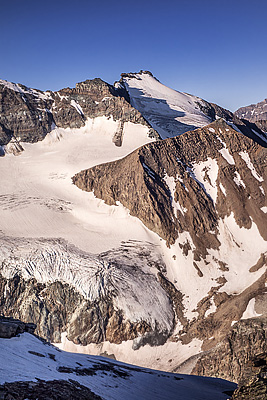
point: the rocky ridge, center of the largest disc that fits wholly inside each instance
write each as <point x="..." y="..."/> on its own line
<point x="10" y="327"/>
<point x="27" y="115"/>
<point x="171" y="186"/>
<point x="142" y="183"/>
<point x="255" y="113"/>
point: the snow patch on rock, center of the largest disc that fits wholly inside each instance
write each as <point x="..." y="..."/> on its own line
<point x="250" y="310"/>
<point x="245" y="156"/>
<point x="238" y="180"/>
<point x="206" y="174"/>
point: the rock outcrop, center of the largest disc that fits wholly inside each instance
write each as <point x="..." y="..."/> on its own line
<point x="27" y="115"/>
<point x="255" y="387"/>
<point x="233" y="357"/>
<point x="47" y="390"/>
<point x="10" y="327"/>
<point x="255" y="113"/>
<point x="161" y="184"/>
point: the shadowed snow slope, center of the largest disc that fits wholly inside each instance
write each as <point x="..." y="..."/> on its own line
<point x="26" y="358"/>
<point x="169" y="112"/>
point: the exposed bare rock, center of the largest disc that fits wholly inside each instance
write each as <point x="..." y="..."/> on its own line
<point x="56" y="308"/>
<point x="256" y="113"/>
<point x="141" y="182"/>
<point x="47" y="390"/>
<point x="255" y="387"/>
<point x="10" y="327"/>
<point x="232" y="358"/>
<point x="24" y="113"/>
<point x="84" y="294"/>
<point x="27" y="115"/>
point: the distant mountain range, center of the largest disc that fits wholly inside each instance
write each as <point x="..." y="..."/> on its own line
<point x="133" y="224"/>
<point x="255" y="113"/>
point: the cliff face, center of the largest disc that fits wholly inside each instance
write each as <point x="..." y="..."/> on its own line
<point x="93" y="298"/>
<point x="234" y="356"/>
<point x="27" y="115"/>
<point x="255" y="387"/>
<point x="187" y="183"/>
<point x="256" y="114"/>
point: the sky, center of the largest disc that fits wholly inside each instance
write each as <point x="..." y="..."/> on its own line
<point x="213" y="49"/>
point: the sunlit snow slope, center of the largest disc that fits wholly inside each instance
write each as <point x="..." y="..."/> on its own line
<point x="37" y="197"/>
<point x="169" y="112"/>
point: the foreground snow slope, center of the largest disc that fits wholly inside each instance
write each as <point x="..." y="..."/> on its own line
<point x="26" y="358"/>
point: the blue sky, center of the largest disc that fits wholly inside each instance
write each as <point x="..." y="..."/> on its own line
<point x="213" y="49"/>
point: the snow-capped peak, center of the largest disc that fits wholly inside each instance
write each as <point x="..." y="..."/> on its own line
<point x="16" y="87"/>
<point x="168" y="111"/>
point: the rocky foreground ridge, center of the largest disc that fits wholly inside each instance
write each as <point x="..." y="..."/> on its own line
<point x="253" y="383"/>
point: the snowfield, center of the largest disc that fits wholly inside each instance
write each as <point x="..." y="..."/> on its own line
<point x="37" y="197"/>
<point x="26" y="358"/>
<point x="170" y="112"/>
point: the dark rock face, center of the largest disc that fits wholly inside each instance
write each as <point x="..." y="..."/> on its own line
<point x="256" y="386"/>
<point x="24" y="114"/>
<point x="89" y="310"/>
<point x="57" y="307"/>
<point x="93" y="98"/>
<point x="10" y="327"/>
<point x="47" y="390"/>
<point x="27" y="115"/>
<point x="233" y="357"/>
<point x="138" y="181"/>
